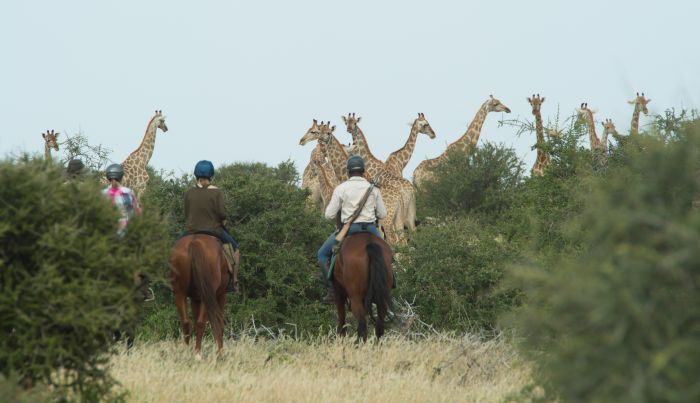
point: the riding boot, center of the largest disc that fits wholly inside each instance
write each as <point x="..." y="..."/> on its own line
<point x="329" y="298"/>
<point x="233" y="261"/>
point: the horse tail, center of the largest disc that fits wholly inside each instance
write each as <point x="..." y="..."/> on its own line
<point x="378" y="290"/>
<point x="203" y="282"/>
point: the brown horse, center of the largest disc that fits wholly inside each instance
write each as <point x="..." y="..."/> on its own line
<point x="198" y="270"/>
<point x="363" y="275"/>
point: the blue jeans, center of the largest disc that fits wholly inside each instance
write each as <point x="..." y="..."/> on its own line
<point x="227" y="238"/>
<point x="326" y="250"/>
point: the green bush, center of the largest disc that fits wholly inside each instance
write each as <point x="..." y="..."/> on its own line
<point x="483" y="182"/>
<point x="66" y="278"/>
<point x="616" y="320"/>
<point x="452" y="272"/>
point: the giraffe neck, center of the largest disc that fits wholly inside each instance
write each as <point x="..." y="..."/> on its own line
<point x="471" y="136"/>
<point x="592" y="136"/>
<point x="398" y="159"/>
<point x="604" y="140"/>
<point x="336" y="154"/>
<point x="326" y="179"/>
<point x="143" y="153"/>
<point x="373" y="166"/>
<point x="634" y="126"/>
<point x="362" y="147"/>
<point x="542" y="156"/>
<point x="47" y="151"/>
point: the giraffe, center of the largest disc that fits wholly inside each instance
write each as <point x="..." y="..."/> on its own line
<point x="331" y="148"/>
<point x="373" y="165"/>
<point x="397" y="160"/>
<point x="587" y="115"/>
<point x="135" y="174"/>
<point x="310" y="179"/>
<point x="50" y="142"/>
<point x="542" y="159"/>
<point x="464" y="144"/>
<point x="608" y="129"/>
<point x="640" y="105"/>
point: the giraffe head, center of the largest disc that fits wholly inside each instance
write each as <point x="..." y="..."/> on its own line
<point x="160" y="121"/>
<point x="640" y="103"/>
<point x="536" y="102"/>
<point x="51" y="139"/>
<point x="351" y="122"/>
<point x="314" y="133"/>
<point x="609" y="127"/>
<point x="584" y="111"/>
<point x="494" y="105"/>
<point x="423" y="126"/>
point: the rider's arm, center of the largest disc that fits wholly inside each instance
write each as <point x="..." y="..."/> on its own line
<point x="380" y="209"/>
<point x="220" y="206"/>
<point x="334" y="205"/>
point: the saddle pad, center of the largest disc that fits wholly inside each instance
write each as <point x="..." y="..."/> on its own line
<point x="330" y="267"/>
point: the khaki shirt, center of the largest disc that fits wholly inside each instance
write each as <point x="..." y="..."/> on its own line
<point x="347" y="197"/>
<point x="205" y="209"/>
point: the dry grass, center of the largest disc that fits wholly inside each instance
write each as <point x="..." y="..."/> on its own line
<point x="437" y="368"/>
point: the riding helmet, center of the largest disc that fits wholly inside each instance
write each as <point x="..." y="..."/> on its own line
<point x="356" y="164"/>
<point x="204" y="169"/>
<point x="114" y="171"/>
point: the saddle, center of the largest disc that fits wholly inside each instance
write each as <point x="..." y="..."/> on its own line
<point x="201" y="232"/>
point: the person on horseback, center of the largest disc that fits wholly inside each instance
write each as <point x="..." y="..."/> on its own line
<point x="205" y="211"/>
<point x="74" y="170"/>
<point x="346" y="200"/>
<point x="121" y="196"/>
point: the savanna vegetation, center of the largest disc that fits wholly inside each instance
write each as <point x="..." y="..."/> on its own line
<point x="592" y="272"/>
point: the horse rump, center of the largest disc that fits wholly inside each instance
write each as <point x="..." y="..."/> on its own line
<point x="204" y="284"/>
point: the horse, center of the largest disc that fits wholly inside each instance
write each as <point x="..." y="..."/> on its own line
<point x="198" y="270"/>
<point x="363" y="275"/>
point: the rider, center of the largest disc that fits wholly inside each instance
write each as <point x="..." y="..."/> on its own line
<point x="205" y="211"/>
<point x="345" y="200"/>
<point x="121" y="196"/>
<point x="74" y="170"/>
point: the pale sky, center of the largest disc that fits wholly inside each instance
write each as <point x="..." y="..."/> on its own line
<point x="242" y="81"/>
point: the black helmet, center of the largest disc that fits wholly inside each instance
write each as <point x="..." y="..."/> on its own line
<point x="356" y="164"/>
<point x="75" y="167"/>
<point x="204" y="169"/>
<point x="114" y="171"/>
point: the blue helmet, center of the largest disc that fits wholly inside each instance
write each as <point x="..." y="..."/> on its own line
<point x="204" y="169"/>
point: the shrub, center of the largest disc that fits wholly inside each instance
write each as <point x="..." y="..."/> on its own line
<point x="66" y="279"/>
<point x="483" y="182"/>
<point x="452" y="271"/>
<point x="615" y="321"/>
